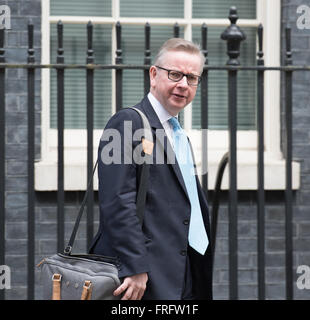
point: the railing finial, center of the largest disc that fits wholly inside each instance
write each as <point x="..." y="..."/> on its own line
<point x="288" y="53"/>
<point x="147" y="45"/>
<point x="118" y="58"/>
<point x="176" y="30"/>
<point x="234" y="35"/>
<point x="260" y="53"/>
<point x="30" y="42"/>
<point x="60" y="50"/>
<point x="90" y="51"/>
<point x="204" y="39"/>
<point x="2" y="51"/>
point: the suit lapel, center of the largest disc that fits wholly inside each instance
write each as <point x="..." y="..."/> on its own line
<point x="166" y="147"/>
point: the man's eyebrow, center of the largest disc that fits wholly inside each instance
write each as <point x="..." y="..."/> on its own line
<point x="192" y="74"/>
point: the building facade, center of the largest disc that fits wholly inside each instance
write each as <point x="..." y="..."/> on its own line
<point x="275" y="15"/>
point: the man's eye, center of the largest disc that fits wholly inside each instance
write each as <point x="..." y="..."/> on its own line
<point x="175" y="75"/>
<point x="192" y="78"/>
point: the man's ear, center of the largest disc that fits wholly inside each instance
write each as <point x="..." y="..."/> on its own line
<point x="153" y="73"/>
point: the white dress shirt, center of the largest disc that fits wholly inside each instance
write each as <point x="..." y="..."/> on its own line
<point x="163" y="116"/>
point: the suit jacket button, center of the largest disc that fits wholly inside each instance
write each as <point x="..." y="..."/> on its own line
<point x="183" y="252"/>
<point x="186" y="222"/>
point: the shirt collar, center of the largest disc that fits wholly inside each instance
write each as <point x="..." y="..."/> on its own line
<point x="161" y="112"/>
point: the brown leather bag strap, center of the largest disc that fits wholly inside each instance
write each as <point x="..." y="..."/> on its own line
<point x="56" y="286"/>
<point x="87" y="290"/>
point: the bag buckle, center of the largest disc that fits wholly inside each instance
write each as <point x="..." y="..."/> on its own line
<point x="87" y="290"/>
<point x="68" y="250"/>
<point x="56" y="277"/>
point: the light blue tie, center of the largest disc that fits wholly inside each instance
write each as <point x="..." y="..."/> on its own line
<point x="197" y="237"/>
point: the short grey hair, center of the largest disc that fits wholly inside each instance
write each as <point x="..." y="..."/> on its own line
<point x="179" y="44"/>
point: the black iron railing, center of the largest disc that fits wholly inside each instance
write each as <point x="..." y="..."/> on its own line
<point x="233" y="35"/>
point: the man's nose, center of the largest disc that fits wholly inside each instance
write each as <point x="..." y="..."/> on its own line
<point x="183" y="82"/>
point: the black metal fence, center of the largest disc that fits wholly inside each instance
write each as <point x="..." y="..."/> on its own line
<point x="233" y="35"/>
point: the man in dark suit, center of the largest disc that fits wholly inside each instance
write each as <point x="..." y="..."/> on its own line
<point x="169" y="256"/>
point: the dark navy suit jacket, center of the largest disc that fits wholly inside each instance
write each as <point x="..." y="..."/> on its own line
<point x="159" y="247"/>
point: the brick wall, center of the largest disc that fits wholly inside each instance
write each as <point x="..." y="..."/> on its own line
<point x="16" y="139"/>
<point x="46" y="211"/>
<point x="301" y="137"/>
<point x="275" y="210"/>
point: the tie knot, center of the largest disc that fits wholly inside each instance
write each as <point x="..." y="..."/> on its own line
<point x="174" y="123"/>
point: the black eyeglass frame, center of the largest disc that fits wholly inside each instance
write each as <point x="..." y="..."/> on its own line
<point x="183" y="74"/>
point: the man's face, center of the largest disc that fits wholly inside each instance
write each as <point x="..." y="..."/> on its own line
<point x="175" y="96"/>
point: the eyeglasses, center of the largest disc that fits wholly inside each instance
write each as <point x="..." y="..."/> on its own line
<point x="176" y="76"/>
